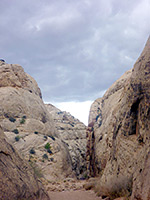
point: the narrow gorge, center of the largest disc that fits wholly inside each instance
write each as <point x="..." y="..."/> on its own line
<point x="44" y="149"/>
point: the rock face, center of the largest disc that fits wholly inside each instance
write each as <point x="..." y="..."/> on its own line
<point x="17" y="179"/>
<point x="29" y="126"/>
<point x="54" y="144"/>
<point x="121" y="123"/>
<point x="73" y="133"/>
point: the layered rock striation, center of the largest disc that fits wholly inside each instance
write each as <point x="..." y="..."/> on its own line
<point x="121" y="126"/>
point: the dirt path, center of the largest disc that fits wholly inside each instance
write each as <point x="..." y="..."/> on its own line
<point x="74" y="195"/>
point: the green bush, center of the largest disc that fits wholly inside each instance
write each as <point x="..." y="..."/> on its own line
<point x="11" y="119"/>
<point x="32" y="151"/>
<point x="15" y="131"/>
<point x="22" y="121"/>
<point x="47" y="146"/>
<point x="17" y="138"/>
<point x="45" y="156"/>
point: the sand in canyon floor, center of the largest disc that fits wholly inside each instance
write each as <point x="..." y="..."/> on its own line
<point x="74" y="195"/>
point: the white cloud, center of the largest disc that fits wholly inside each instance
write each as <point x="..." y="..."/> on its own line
<point x="79" y="110"/>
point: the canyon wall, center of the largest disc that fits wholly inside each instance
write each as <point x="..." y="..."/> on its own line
<point x="120" y="122"/>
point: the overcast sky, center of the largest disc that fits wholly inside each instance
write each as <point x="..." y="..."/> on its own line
<point x="75" y="49"/>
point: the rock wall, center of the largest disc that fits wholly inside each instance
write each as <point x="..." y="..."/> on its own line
<point x="17" y="179"/>
<point x="121" y="128"/>
<point x="29" y="126"/>
<point x="53" y="142"/>
<point x="73" y="133"/>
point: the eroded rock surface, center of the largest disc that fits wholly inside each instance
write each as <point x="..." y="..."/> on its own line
<point x="17" y="179"/>
<point x="73" y="133"/>
<point x="53" y="142"/>
<point x="121" y="126"/>
<point x="29" y="126"/>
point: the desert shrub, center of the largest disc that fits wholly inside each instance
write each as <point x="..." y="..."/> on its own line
<point x="15" y="131"/>
<point x="52" y="159"/>
<point x="32" y="151"/>
<point x="11" y="119"/>
<point x="24" y="117"/>
<point x="49" y="151"/>
<point x="17" y="138"/>
<point x="36" y="132"/>
<point x="45" y="137"/>
<point x="22" y="121"/>
<point x="45" y="156"/>
<point x="47" y="146"/>
<point x="52" y="137"/>
<point x="90" y="184"/>
<point x="117" y="187"/>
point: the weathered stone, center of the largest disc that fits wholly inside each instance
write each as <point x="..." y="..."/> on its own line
<point x="122" y="126"/>
<point x="17" y="179"/>
<point x="22" y="109"/>
<point x="73" y="133"/>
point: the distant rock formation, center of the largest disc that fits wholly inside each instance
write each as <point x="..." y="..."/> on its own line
<point x="17" y="179"/>
<point x="121" y="124"/>
<point x="73" y="133"/>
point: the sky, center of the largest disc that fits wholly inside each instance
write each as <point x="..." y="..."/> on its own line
<point x="75" y="50"/>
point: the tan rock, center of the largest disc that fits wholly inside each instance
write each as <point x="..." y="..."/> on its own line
<point x="17" y="179"/>
<point x="22" y="109"/>
<point x="73" y="133"/>
<point x="121" y="129"/>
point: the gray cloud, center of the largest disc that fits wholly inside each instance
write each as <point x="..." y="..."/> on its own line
<point x="74" y="49"/>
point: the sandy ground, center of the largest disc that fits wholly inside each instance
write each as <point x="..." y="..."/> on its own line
<point x="74" y="195"/>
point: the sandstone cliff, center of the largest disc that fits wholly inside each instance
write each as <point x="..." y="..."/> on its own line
<point x="33" y="129"/>
<point x="29" y="126"/>
<point x="17" y="179"/>
<point x="120" y="127"/>
<point x="73" y="133"/>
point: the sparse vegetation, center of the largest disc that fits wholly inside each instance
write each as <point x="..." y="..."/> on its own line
<point x="22" y="121"/>
<point x="15" y="131"/>
<point x="17" y="138"/>
<point x="51" y="159"/>
<point x="117" y="187"/>
<point x="47" y="146"/>
<point x="49" y="151"/>
<point x="11" y="119"/>
<point x="36" y="132"/>
<point x="32" y="151"/>
<point x="45" y="137"/>
<point x="52" y="137"/>
<point x="45" y="156"/>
